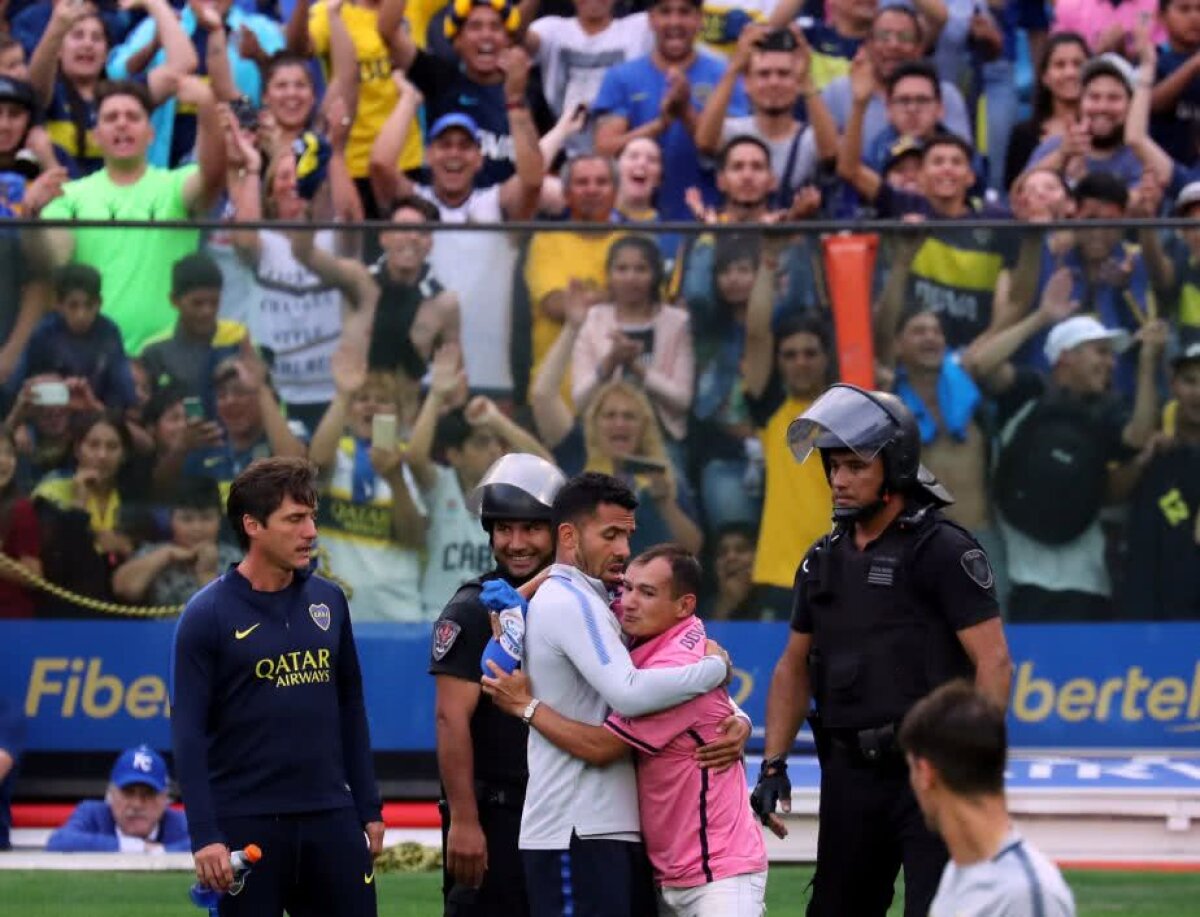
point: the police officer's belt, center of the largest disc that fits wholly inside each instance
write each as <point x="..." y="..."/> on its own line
<point x="875" y="746"/>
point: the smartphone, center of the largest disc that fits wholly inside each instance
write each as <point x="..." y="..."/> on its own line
<point x="50" y="394"/>
<point x="246" y="113"/>
<point x="193" y="408"/>
<point x="383" y="431"/>
<point x="643" y="464"/>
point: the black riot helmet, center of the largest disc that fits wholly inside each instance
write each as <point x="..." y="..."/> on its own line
<point x="519" y="487"/>
<point x="869" y="424"/>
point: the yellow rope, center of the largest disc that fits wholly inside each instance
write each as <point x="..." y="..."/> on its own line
<point x="12" y="565"/>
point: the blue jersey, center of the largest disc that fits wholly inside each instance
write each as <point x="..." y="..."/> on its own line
<point x="634" y="91"/>
<point x="1177" y="130"/>
<point x="267" y="705"/>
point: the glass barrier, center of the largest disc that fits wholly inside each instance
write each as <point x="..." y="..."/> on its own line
<point x="1053" y="376"/>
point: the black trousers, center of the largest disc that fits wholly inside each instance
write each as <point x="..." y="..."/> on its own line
<point x="313" y="865"/>
<point x="870" y="825"/>
<point x="593" y="878"/>
<point x="503" y="890"/>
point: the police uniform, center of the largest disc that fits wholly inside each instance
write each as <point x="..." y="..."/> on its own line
<point x="884" y="623"/>
<point x="518" y="487"/>
<point x="498" y="743"/>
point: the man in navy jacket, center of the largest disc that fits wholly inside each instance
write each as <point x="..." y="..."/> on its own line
<point x="133" y="816"/>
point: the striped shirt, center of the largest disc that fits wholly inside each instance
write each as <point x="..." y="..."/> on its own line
<point x="579" y="666"/>
<point x="1017" y="882"/>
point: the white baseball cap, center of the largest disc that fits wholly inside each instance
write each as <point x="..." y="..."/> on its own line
<point x="1080" y="329"/>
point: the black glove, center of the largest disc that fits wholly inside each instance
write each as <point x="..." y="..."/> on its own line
<point x="773" y="785"/>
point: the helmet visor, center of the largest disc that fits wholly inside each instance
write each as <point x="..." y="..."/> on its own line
<point x="535" y="476"/>
<point x="842" y="418"/>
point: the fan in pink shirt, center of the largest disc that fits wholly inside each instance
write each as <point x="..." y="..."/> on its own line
<point x="703" y="840"/>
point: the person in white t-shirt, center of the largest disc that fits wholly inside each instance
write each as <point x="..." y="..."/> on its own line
<point x="470" y="439"/>
<point x="574" y="53"/>
<point x="956" y="745"/>
<point x="475" y="265"/>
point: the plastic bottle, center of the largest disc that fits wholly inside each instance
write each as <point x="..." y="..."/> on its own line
<point x="240" y="861"/>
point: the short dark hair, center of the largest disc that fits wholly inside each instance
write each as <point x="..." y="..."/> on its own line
<point x="162" y="399"/>
<point x="945" y="138"/>
<point x="197" y="271"/>
<point x="904" y="11"/>
<point x="695" y="3"/>
<point x="452" y="430"/>
<point x="427" y="209"/>
<point x="791" y="325"/>
<point x="917" y="68"/>
<point x="196" y="493"/>
<point x="729" y="249"/>
<point x="77" y="277"/>
<point x="915" y="311"/>
<point x="961" y="733"/>
<point x="1101" y="186"/>
<point x="284" y="58"/>
<point x="114" y="88"/>
<point x="262" y="487"/>
<point x="582" y="494"/>
<point x="687" y="577"/>
<point x="741" y="140"/>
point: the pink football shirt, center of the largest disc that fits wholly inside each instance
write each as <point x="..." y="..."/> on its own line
<point x="697" y="825"/>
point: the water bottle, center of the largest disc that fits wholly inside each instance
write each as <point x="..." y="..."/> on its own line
<point x="507" y="647"/>
<point x="241" y="860"/>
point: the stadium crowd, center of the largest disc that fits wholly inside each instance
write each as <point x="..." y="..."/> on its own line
<point x="1055" y="375"/>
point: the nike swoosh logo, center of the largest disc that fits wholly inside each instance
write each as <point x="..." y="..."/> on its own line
<point x="367" y="880"/>
<point x="243" y="634"/>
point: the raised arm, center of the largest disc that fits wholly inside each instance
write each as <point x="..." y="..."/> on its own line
<point x="244" y="180"/>
<point x="216" y="55"/>
<point x="178" y="51"/>
<point x="1137" y="122"/>
<point x="349" y="275"/>
<point x="447" y="379"/>
<point x="395" y="33"/>
<point x="864" y="180"/>
<point x="43" y="63"/>
<point x="482" y="412"/>
<point x="759" y="357"/>
<point x="387" y="182"/>
<point x="343" y="62"/>
<point x="712" y="117"/>
<point x="551" y="414"/>
<point x="904" y="247"/>
<point x="1144" y="419"/>
<point x="349" y="369"/>
<point x="296" y="31"/>
<point x="205" y="185"/>
<point x="519" y="194"/>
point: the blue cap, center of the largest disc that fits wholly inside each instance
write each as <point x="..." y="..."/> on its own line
<point x="454" y="119"/>
<point x="140" y="765"/>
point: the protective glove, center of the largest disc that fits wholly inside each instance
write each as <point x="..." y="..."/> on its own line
<point x="507" y="646"/>
<point x="772" y="788"/>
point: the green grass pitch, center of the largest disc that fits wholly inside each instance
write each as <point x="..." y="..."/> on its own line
<point x="66" y="894"/>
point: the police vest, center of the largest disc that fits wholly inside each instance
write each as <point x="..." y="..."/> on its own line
<point x="879" y="644"/>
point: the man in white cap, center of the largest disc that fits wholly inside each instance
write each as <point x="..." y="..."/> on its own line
<point x="1058" y="439"/>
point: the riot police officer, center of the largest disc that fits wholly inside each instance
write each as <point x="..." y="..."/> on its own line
<point x="480" y="750"/>
<point x="895" y="601"/>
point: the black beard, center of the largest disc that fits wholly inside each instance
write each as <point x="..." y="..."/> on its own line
<point x="1109" y="141"/>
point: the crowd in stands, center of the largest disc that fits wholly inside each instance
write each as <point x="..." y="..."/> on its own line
<point x="1055" y="375"/>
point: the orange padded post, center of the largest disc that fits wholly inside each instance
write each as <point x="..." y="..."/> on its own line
<point x="849" y="268"/>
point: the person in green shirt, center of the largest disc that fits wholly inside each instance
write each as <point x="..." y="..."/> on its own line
<point x="135" y="263"/>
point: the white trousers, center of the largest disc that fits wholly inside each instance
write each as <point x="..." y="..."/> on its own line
<point x="737" y="896"/>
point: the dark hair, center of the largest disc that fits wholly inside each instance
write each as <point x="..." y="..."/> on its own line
<point x="114" y="88"/>
<point x="746" y="530"/>
<point x="161" y="400"/>
<point x="568" y="167"/>
<point x="1043" y="101"/>
<point x="196" y="493"/>
<point x="1101" y="186"/>
<point x="947" y="139"/>
<point x="813" y="324"/>
<point x="452" y="431"/>
<point x="961" y="733"/>
<point x="76" y="277"/>
<point x="649" y="250"/>
<point x="262" y="487"/>
<point x="687" y="577"/>
<point x="88" y="422"/>
<point x="427" y="209"/>
<point x="732" y="248"/>
<point x="281" y="59"/>
<point x="917" y="68"/>
<point x="741" y="140"/>
<point x="582" y="494"/>
<point x="904" y="11"/>
<point x="695" y="3"/>
<point x="914" y="311"/>
<point x="197" y="271"/>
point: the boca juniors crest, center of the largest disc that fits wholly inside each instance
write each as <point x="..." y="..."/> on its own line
<point x="320" y="615"/>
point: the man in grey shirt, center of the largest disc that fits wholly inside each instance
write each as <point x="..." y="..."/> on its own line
<point x="580" y="832"/>
<point x="956" y="745"/>
<point x="895" y="39"/>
